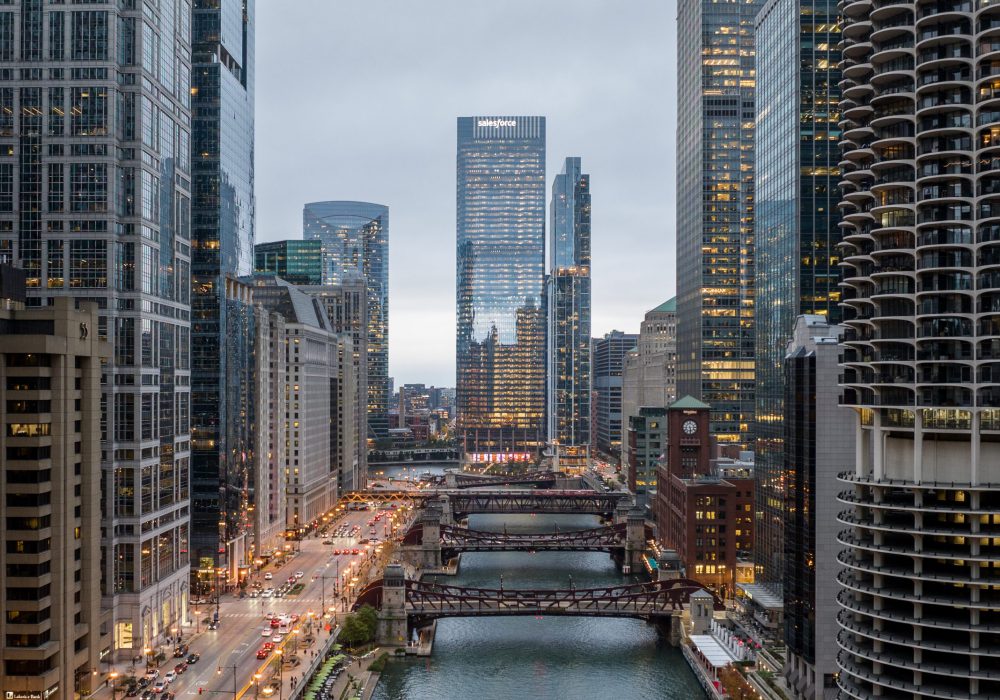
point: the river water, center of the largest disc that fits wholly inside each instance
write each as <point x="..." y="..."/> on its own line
<point x="575" y="658"/>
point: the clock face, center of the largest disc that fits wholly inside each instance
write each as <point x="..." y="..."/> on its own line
<point x="690" y="427"/>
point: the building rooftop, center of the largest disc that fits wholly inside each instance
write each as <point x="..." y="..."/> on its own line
<point x="670" y="306"/>
<point x="689" y="402"/>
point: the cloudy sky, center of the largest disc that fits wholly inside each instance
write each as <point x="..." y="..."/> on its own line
<point x="357" y="99"/>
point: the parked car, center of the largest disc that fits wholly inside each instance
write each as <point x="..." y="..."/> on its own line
<point x="180" y="651"/>
<point x="152" y="674"/>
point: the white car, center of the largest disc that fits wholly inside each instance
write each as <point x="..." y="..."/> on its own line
<point x="152" y="674"/>
<point x="268" y="576"/>
<point x="267" y="593"/>
<point x="300" y="574"/>
<point x="276" y="637"/>
<point x="159" y="687"/>
<point x="170" y="676"/>
<point x="266" y="632"/>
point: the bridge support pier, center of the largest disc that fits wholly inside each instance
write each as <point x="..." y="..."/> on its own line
<point x="392" y="620"/>
<point x="635" y="538"/>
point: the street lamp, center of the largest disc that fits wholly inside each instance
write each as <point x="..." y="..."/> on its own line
<point x="218" y="671"/>
<point x="281" y="666"/>
<point x="114" y="684"/>
<point x="148" y="652"/>
<point x="256" y="685"/>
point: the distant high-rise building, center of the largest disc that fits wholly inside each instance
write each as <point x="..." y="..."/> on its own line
<point x="921" y="221"/>
<point x="818" y="445"/>
<point x="270" y="432"/>
<point x="50" y="388"/>
<point x="500" y="344"/>
<point x="95" y="204"/>
<point x="298" y="262"/>
<point x="643" y="447"/>
<point x="222" y="335"/>
<point x="649" y="377"/>
<point x="569" y="314"/>
<point x="715" y="210"/>
<point x="796" y="227"/>
<point x="346" y="306"/>
<point x="355" y="241"/>
<point x="609" y="364"/>
<point x="319" y="399"/>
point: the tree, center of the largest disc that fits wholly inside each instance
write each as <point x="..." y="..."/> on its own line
<point x="369" y="618"/>
<point x="354" y="632"/>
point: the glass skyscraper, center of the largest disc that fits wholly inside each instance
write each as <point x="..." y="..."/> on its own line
<point x="95" y="204"/>
<point x="500" y="268"/>
<point x="355" y="240"/>
<point x="298" y="262"/>
<point x="569" y="313"/>
<point x="222" y="333"/>
<point x="796" y="227"/>
<point x="715" y="209"/>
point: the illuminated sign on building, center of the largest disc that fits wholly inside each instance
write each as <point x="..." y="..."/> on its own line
<point x="481" y="457"/>
<point x="497" y="122"/>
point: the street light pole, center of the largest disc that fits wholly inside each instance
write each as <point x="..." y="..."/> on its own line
<point x="219" y="672"/>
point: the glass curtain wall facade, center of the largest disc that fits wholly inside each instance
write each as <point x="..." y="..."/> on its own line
<point x="298" y="262"/>
<point x="95" y="204"/>
<point x="500" y="261"/>
<point x="222" y="334"/>
<point x="715" y="209"/>
<point x="921" y="207"/>
<point x="355" y="240"/>
<point x="796" y="222"/>
<point x="569" y="312"/>
<point x="609" y="381"/>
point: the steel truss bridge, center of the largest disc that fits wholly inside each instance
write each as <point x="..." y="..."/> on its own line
<point x="463" y="503"/>
<point x="460" y="539"/>
<point x="538" y="478"/>
<point x="425" y="601"/>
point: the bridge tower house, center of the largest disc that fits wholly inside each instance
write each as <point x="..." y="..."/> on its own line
<point x="635" y="537"/>
<point x="669" y="566"/>
<point x="702" y="611"/>
<point x="430" y="542"/>
<point x="444" y="505"/>
<point x="392" y="621"/>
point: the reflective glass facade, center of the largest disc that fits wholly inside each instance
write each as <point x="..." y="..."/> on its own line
<point x="95" y="121"/>
<point x="222" y="333"/>
<point x="355" y="241"/>
<point x="609" y="371"/>
<point x="715" y="208"/>
<point x="500" y="266"/>
<point x="569" y="308"/>
<point x="796" y="222"/>
<point x="298" y="262"/>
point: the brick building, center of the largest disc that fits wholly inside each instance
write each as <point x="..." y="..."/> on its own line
<point x="704" y="509"/>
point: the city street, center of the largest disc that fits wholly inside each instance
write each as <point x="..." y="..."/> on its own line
<point x="229" y="660"/>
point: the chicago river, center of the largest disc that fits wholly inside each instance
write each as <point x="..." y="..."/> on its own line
<point x="528" y="657"/>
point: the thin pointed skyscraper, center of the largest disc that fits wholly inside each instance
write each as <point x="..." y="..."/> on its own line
<point x="569" y="351"/>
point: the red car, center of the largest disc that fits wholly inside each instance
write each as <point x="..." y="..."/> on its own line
<point x="355" y="551"/>
<point x="180" y="668"/>
<point x="268" y="646"/>
<point x="262" y="653"/>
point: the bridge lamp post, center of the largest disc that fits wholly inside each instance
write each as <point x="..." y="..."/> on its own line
<point x="218" y="672"/>
<point x="113" y="676"/>
<point x="281" y="667"/>
<point x="256" y="685"/>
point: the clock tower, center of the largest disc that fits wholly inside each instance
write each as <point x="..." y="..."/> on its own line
<point x="689" y="441"/>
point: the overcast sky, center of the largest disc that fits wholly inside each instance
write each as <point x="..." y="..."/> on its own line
<point x="357" y="100"/>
